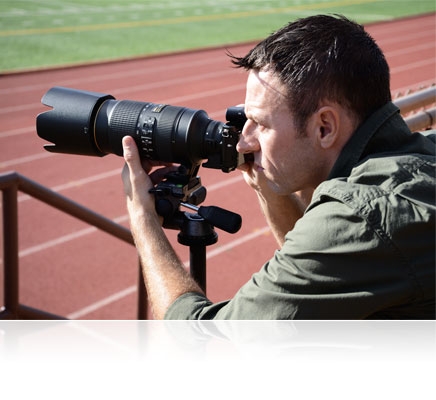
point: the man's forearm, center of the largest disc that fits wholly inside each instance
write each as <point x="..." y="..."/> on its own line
<point x="282" y="212"/>
<point x="164" y="274"/>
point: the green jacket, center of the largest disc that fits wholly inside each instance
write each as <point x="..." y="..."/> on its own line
<point x="365" y="247"/>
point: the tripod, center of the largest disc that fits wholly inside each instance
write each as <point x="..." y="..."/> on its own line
<point x="183" y="188"/>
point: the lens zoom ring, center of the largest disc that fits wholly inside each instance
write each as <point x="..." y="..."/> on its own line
<point x="121" y="122"/>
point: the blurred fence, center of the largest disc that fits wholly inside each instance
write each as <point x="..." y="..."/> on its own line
<point x="419" y="108"/>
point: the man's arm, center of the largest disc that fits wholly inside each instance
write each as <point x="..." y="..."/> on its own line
<point x="282" y="212"/>
<point x="164" y="274"/>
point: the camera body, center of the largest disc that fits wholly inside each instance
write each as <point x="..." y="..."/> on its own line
<point x="91" y="123"/>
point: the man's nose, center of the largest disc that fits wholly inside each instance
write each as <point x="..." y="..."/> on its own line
<point x="248" y="142"/>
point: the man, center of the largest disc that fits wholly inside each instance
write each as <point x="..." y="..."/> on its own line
<point x="347" y="189"/>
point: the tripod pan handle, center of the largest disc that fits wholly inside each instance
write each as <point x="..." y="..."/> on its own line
<point x="219" y="217"/>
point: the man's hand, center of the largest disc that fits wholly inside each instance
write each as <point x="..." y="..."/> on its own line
<point x="138" y="179"/>
<point x="164" y="274"/>
<point x="281" y="211"/>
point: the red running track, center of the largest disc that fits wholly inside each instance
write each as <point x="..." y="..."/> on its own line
<point x="72" y="270"/>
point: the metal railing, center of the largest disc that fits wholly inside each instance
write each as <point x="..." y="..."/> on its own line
<point x="419" y="108"/>
<point x="11" y="183"/>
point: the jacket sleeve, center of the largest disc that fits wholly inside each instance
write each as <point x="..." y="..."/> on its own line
<point x="337" y="263"/>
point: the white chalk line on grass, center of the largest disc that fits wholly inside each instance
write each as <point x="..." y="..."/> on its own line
<point x="133" y="289"/>
<point x="48" y="9"/>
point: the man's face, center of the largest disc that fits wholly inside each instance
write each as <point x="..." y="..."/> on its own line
<point x="284" y="156"/>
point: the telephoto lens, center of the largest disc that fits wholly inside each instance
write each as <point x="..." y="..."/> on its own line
<point x="91" y="123"/>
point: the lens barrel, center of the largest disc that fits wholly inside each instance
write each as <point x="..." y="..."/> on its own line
<point x="91" y="123"/>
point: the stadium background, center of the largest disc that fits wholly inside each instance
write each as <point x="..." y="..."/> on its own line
<point x="75" y="271"/>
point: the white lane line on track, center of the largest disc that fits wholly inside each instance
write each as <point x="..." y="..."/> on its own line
<point x="133" y="289"/>
<point x="428" y="33"/>
<point x="78" y="182"/>
<point x="230" y="181"/>
<point x="86" y="231"/>
<point x="109" y="174"/>
<point x="25" y="159"/>
<point x="162" y="83"/>
<point x="55" y="242"/>
<point x="19" y="131"/>
<point x="153" y="69"/>
<point x="64" y="239"/>
<point x="32" y="129"/>
<point x="394" y="32"/>
<point x="408" y="50"/>
<point x="405" y="89"/>
<point x="126" y="73"/>
<point x="131" y="89"/>
<point x="103" y="302"/>
<point x="20" y="108"/>
<point x="125" y="292"/>
<point x="412" y="66"/>
<point x="174" y="82"/>
<point x="210" y="93"/>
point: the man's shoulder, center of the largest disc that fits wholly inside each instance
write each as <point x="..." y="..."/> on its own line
<point x="383" y="174"/>
<point x="380" y="189"/>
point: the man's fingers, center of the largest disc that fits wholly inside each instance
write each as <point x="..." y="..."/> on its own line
<point x="136" y="170"/>
<point x="134" y="177"/>
<point x="130" y="153"/>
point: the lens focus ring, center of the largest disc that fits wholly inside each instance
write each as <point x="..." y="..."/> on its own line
<point x="121" y="121"/>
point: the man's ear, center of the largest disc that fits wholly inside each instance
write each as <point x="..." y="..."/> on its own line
<point x="328" y="126"/>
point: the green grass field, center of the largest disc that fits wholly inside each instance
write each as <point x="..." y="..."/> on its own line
<point x="44" y="33"/>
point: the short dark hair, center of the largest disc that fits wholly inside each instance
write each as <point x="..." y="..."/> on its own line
<point x="324" y="57"/>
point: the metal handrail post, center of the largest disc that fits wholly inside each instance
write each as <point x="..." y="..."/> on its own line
<point x="10" y="250"/>
<point x="10" y="184"/>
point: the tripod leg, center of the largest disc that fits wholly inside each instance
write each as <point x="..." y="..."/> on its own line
<point x="197" y="264"/>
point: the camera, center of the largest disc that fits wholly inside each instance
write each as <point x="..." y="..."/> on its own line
<point x="91" y="123"/>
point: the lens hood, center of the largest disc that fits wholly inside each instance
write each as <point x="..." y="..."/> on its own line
<point x="69" y="125"/>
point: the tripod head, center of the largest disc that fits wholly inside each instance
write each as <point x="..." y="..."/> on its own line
<point x="183" y="188"/>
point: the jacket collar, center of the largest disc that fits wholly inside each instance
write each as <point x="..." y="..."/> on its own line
<point x="374" y="133"/>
